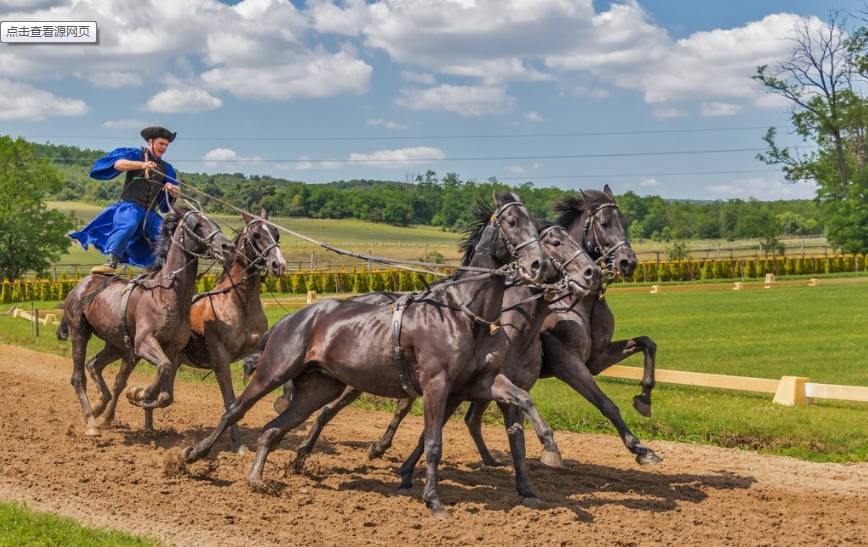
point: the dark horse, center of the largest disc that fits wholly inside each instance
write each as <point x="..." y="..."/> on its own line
<point x="147" y="317"/>
<point x="228" y="322"/>
<point x="575" y="339"/>
<point x="523" y="315"/>
<point x="441" y="348"/>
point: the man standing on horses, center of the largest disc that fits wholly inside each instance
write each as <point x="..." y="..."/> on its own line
<point x="127" y="230"/>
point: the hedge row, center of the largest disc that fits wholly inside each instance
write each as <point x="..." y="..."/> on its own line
<point x="752" y="268"/>
<point x="402" y="280"/>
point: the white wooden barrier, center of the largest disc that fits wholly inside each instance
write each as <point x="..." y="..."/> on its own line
<point x="789" y="390"/>
<point x="49" y="319"/>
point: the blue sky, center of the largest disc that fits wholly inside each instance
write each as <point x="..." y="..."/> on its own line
<point x="653" y="96"/>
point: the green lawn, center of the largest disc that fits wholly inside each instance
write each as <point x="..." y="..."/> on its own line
<point x="818" y="332"/>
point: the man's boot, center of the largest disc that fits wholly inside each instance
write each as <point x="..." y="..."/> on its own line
<point x="110" y="266"/>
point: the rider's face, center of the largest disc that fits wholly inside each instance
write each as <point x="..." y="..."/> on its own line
<point x="158" y="147"/>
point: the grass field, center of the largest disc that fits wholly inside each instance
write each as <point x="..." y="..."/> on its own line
<point x="818" y="332"/>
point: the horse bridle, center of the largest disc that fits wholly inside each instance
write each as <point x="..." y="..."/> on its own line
<point x="261" y="260"/>
<point x="561" y="267"/>
<point x="606" y="255"/>
<point x="189" y="224"/>
<point x="485" y="247"/>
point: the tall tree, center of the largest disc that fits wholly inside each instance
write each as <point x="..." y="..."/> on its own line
<point x="823" y="79"/>
<point x="31" y="235"/>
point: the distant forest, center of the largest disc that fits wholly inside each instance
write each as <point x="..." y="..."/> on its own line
<point x="446" y="201"/>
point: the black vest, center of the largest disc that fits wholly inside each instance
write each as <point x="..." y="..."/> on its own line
<point x="142" y="191"/>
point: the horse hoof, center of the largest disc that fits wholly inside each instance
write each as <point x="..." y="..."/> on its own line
<point x="242" y="450"/>
<point x="373" y="453"/>
<point x="184" y="455"/>
<point x="440" y="514"/>
<point x="551" y="458"/>
<point x="648" y="458"/>
<point x="492" y="463"/>
<point x="280" y="405"/>
<point x="529" y="501"/>
<point x="641" y="406"/>
<point x="133" y="394"/>
<point x="403" y="491"/>
<point x="92" y="432"/>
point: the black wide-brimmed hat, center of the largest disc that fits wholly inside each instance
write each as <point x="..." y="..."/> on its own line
<point x="157" y="132"/>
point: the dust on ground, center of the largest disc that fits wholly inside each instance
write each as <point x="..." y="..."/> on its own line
<point x="128" y="479"/>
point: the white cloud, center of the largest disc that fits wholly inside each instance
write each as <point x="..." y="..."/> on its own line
<point x="719" y="109"/>
<point x="649" y="183"/>
<point x="664" y="113"/>
<point x="19" y="101"/>
<point x="515" y="169"/>
<point x="464" y="100"/>
<point x="535" y="117"/>
<point x="187" y="100"/>
<point x="126" y="124"/>
<point x="763" y="189"/>
<point x="388" y="124"/>
<point x="226" y="155"/>
<point x="398" y="158"/>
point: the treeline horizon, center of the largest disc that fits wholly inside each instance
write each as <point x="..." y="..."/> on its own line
<point x="445" y="202"/>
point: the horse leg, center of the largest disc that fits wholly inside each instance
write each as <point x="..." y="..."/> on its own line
<point x="436" y="395"/>
<point x="220" y="361"/>
<point x="410" y="463"/>
<point x="95" y="366"/>
<point x="81" y="333"/>
<point x="578" y="377"/>
<point x="325" y="415"/>
<point x="473" y="421"/>
<point x="128" y="364"/>
<point x="378" y="448"/>
<point x="313" y="391"/>
<point x="616" y="352"/>
<point x="150" y="350"/>
<point x="504" y="391"/>
<point x="513" y="420"/>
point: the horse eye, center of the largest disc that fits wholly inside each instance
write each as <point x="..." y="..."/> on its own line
<point x="556" y="243"/>
<point x="256" y="236"/>
<point x="604" y="224"/>
<point x="511" y="223"/>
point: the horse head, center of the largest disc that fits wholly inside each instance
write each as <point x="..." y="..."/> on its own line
<point x="574" y="268"/>
<point x="519" y="239"/>
<point x="200" y="236"/>
<point x="259" y="244"/>
<point x="596" y="222"/>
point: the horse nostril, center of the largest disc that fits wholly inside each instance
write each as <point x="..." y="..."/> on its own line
<point x="535" y="267"/>
<point x="624" y="265"/>
<point x="589" y="273"/>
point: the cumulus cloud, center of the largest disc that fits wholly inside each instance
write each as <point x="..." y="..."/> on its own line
<point x="413" y="77"/>
<point x="388" y="124"/>
<point x="398" y="158"/>
<point x="225" y="155"/>
<point x="126" y="124"/>
<point x="719" y="109"/>
<point x="763" y="189"/>
<point x="182" y="101"/>
<point x="464" y="100"/>
<point x="664" y="113"/>
<point x="20" y="101"/>
<point x="535" y="117"/>
<point x="649" y="183"/>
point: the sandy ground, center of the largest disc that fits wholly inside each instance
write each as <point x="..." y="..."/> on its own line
<point x="126" y="480"/>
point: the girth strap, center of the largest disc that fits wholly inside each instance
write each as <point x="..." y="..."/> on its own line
<point x="398" y="352"/>
<point x="125" y="300"/>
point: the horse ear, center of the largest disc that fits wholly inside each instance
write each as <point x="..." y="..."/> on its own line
<point x="263" y="213"/>
<point x="584" y="197"/>
<point x="518" y="199"/>
<point x="608" y="192"/>
<point x="497" y="202"/>
<point x="247" y="218"/>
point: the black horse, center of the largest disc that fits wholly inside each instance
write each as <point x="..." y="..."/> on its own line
<point x="144" y="318"/>
<point x="441" y="349"/>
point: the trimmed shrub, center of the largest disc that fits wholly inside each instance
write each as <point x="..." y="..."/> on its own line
<point x="346" y="280"/>
<point x="16" y="295"/>
<point x="379" y="282"/>
<point x="270" y="283"/>
<point x="329" y="283"/>
<point x="6" y="292"/>
<point x="299" y="284"/>
<point x="405" y="281"/>
<point x="653" y="272"/>
<point x="639" y="273"/>
<point x="360" y="283"/>
<point x="708" y="270"/>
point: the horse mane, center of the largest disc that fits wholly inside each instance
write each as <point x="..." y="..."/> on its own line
<point x="571" y="207"/>
<point x="228" y="265"/>
<point x="164" y="241"/>
<point x="482" y="212"/>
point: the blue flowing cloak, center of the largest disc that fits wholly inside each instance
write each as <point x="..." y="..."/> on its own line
<point x="138" y="250"/>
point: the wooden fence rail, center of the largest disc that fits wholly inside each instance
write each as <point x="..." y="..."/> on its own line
<point x="789" y="390"/>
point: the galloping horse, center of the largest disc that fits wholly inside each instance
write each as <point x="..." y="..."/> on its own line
<point x="523" y="314"/>
<point x="575" y="339"/>
<point x="433" y="346"/>
<point x="147" y="317"/>
<point x="228" y="322"/>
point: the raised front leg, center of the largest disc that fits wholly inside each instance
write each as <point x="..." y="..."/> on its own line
<point x="325" y="415"/>
<point x="150" y="350"/>
<point x="575" y="374"/>
<point x="473" y="421"/>
<point x="377" y="449"/>
<point x="616" y="352"/>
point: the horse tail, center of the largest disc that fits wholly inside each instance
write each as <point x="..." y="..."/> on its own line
<point x="63" y="330"/>
<point x="250" y="361"/>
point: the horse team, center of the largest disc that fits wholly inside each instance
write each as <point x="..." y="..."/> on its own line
<point x="526" y="303"/>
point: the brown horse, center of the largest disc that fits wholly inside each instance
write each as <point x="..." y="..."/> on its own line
<point x="575" y="339"/>
<point x="228" y="322"/>
<point x="147" y="317"/>
<point x="440" y="348"/>
<point x="523" y="316"/>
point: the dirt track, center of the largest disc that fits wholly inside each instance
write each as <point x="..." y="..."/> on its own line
<point x="696" y="496"/>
